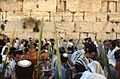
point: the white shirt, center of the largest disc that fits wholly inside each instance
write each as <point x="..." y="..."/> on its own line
<point x="111" y="57"/>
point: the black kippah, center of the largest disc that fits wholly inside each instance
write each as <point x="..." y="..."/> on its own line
<point x="90" y="47"/>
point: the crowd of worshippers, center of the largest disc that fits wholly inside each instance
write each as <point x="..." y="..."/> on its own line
<point x="76" y="63"/>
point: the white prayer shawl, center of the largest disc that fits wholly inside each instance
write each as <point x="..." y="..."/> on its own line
<point x="10" y="69"/>
<point x="111" y="57"/>
<point x="54" y="61"/>
<point x="84" y="61"/>
<point x="95" y="67"/>
<point x="3" y="49"/>
<point x="76" y="55"/>
<point x="95" y="42"/>
<point x="2" y="53"/>
<point x="21" y="47"/>
<point x="89" y="75"/>
<point x="16" y="45"/>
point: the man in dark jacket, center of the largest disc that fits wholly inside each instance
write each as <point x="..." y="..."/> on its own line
<point x="84" y="60"/>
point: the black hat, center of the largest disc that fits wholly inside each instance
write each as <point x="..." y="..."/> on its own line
<point x="90" y="47"/>
<point x="117" y="54"/>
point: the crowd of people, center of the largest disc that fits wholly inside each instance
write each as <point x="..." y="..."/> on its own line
<point x="87" y="62"/>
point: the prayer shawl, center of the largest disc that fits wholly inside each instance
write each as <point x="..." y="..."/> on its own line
<point x="2" y="53"/>
<point x="81" y="66"/>
<point x="95" y="67"/>
<point x="76" y="55"/>
<point x="89" y="75"/>
<point x="83" y="61"/>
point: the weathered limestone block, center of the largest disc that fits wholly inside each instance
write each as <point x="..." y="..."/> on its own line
<point x="67" y="16"/>
<point x="85" y="5"/>
<point x="6" y="7"/>
<point x="118" y="28"/>
<point x="101" y="16"/>
<point x="72" y="5"/>
<point x="90" y="16"/>
<point x="66" y="26"/>
<point x="84" y="26"/>
<point x="70" y="35"/>
<point x="110" y="26"/>
<point x="99" y="27"/>
<point x="78" y="16"/>
<point x="49" y="27"/>
<point x="48" y="35"/>
<point x="118" y="7"/>
<point x="49" y="5"/>
<point x="12" y="24"/>
<point x="29" y="6"/>
<point x="39" y="15"/>
<point x="58" y="16"/>
<point x="104" y="6"/>
<point x="96" y="5"/>
<point x="113" y="6"/>
<point x="114" y="17"/>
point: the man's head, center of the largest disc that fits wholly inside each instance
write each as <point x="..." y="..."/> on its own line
<point x="90" y="50"/>
<point x="19" y="55"/>
<point x="112" y="44"/>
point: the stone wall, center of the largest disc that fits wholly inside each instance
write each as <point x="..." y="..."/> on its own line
<point x="74" y="18"/>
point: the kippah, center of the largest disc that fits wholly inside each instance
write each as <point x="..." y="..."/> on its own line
<point x="24" y="63"/>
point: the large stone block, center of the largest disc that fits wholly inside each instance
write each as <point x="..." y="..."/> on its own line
<point x="72" y="5"/>
<point x="79" y="16"/>
<point x="67" y="16"/>
<point x="100" y="27"/>
<point x="66" y="26"/>
<point x="96" y="5"/>
<point x="84" y="26"/>
<point x="49" y="5"/>
<point x="101" y="16"/>
<point x="90" y="16"/>
<point x="29" y="6"/>
<point x="114" y="17"/>
<point x="49" y="27"/>
<point x="70" y="35"/>
<point x="58" y="16"/>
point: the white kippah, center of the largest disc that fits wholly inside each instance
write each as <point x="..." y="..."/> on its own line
<point x="65" y="55"/>
<point x="24" y="63"/>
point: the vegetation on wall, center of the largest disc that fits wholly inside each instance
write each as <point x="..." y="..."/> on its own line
<point x="2" y="27"/>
